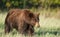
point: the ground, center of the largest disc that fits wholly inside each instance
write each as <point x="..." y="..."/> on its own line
<point x="49" y="27"/>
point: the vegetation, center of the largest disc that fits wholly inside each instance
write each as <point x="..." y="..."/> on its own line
<point x="49" y="25"/>
<point x="49" y="16"/>
<point x="7" y="4"/>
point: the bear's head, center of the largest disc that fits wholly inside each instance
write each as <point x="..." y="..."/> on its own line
<point x="32" y="19"/>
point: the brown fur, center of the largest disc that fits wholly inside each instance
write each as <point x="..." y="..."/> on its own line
<point x="22" y="20"/>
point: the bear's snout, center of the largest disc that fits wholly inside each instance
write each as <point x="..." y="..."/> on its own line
<point x="37" y="25"/>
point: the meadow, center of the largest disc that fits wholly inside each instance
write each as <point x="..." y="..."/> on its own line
<point x="49" y="25"/>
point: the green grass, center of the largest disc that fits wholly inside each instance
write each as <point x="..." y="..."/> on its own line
<point x="49" y="26"/>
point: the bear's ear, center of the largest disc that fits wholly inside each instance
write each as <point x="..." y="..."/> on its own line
<point x="30" y="14"/>
<point x="38" y="14"/>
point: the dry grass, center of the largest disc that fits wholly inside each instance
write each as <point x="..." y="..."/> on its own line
<point x="49" y="25"/>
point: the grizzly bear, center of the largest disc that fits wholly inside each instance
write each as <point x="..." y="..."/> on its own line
<point x="22" y="20"/>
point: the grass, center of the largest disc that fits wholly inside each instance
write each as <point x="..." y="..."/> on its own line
<point x="49" y="26"/>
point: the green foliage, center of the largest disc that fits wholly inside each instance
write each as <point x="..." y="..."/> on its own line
<point x="50" y="2"/>
<point x="28" y="3"/>
<point x="3" y="1"/>
<point x="16" y="3"/>
<point x="8" y="4"/>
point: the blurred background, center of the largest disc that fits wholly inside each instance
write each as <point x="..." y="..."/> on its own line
<point x="49" y="16"/>
<point x="8" y="4"/>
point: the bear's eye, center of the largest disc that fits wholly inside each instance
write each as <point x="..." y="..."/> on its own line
<point x="38" y="18"/>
